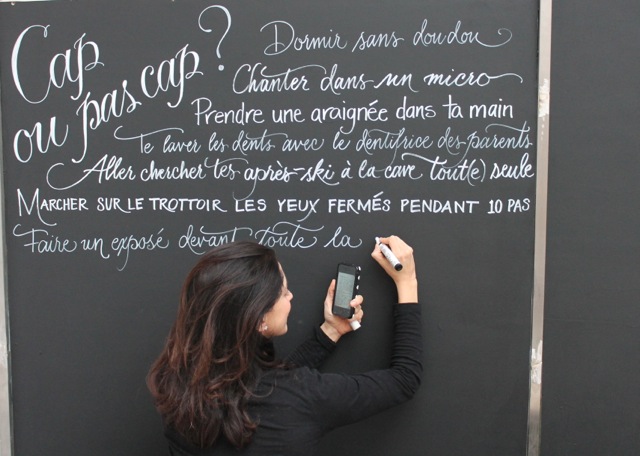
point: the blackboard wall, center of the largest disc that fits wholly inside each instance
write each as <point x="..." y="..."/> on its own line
<point x="85" y="325"/>
<point x="590" y="398"/>
<point x="442" y="152"/>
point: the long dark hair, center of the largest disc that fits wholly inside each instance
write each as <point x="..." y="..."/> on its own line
<point x="214" y="352"/>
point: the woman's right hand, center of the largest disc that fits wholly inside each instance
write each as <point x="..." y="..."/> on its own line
<point x="406" y="280"/>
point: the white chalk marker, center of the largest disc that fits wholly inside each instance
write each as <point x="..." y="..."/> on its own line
<point x="388" y="254"/>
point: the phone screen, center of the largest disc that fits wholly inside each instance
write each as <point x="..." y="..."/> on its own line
<point x="344" y="290"/>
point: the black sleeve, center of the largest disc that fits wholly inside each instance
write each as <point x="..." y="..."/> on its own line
<point x="313" y="351"/>
<point x="339" y="399"/>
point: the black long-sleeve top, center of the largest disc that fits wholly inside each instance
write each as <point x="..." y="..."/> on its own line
<point x="295" y="407"/>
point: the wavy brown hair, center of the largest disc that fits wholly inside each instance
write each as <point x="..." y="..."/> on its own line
<point x="203" y="378"/>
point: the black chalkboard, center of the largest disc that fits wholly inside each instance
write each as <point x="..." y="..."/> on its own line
<point x="590" y="399"/>
<point x="138" y="134"/>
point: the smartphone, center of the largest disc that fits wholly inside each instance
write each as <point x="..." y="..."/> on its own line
<point x="347" y="282"/>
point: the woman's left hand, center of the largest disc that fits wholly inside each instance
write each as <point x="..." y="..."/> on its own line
<point x="334" y="326"/>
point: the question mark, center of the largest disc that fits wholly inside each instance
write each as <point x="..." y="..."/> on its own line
<point x="208" y="30"/>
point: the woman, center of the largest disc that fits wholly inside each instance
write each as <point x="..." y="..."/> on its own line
<point x="218" y="386"/>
